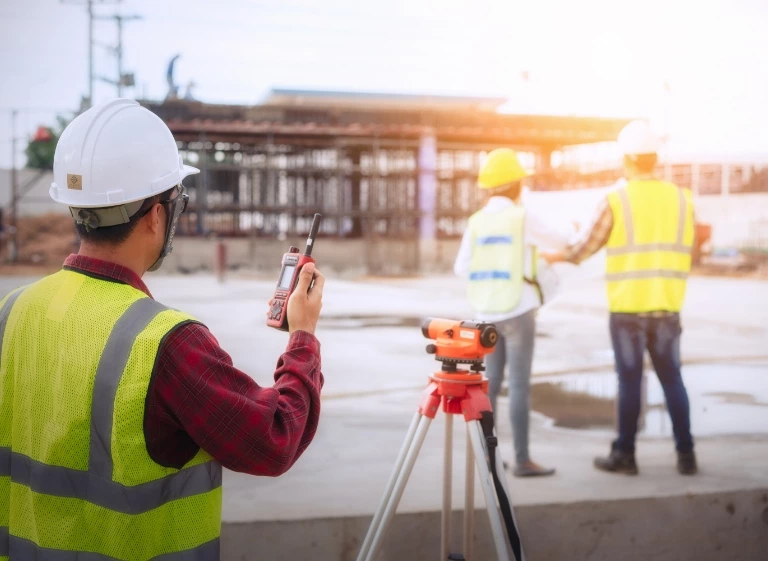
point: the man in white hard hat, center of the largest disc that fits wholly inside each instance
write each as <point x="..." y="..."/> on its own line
<point x="647" y="227"/>
<point x="498" y="257"/>
<point x="116" y="412"/>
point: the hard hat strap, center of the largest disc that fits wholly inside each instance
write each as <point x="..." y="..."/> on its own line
<point x="93" y="218"/>
<point x="174" y="209"/>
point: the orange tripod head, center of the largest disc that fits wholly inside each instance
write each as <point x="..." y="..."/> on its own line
<point x="459" y="342"/>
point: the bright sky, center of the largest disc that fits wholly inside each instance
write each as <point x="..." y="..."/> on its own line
<point x="588" y="57"/>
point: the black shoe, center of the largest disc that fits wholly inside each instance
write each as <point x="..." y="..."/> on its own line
<point x="618" y="462"/>
<point x="686" y="463"/>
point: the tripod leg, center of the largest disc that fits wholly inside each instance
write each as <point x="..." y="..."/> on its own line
<point x="445" y="544"/>
<point x="397" y="490"/>
<point x="388" y="489"/>
<point x="469" y="500"/>
<point x="502" y="476"/>
<point x="499" y="538"/>
<point x="500" y="470"/>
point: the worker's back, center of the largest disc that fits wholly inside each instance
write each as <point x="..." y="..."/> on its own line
<point x="649" y="249"/>
<point x="496" y="269"/>
<point x="75" y="367"/>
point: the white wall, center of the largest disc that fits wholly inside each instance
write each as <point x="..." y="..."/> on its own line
<point x="737" y="220"/>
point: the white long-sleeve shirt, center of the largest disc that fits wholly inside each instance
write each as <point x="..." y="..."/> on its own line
<point x="536" y="232"/>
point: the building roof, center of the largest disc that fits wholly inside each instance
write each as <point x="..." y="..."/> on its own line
<point x="296" y="116"/>
<point x="372" y="100"/>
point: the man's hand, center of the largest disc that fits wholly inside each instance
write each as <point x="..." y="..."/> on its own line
<point x="552" y="257"/>
<point x="305" y="303"/>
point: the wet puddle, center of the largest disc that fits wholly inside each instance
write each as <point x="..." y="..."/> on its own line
<point x="724" y="398"/>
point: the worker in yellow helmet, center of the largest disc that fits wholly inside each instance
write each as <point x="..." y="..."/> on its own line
<point x="498" y="257"/>
<point x="647" y="227"/>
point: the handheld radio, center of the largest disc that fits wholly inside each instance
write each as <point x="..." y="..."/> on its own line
<point x="289" y="278"/>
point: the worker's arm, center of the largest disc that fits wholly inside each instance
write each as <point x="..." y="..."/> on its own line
<point x="588" y="242"/>
<point x="199" y="399"/>
<point x="464" y="258"/>
<point x="198" y="392"/>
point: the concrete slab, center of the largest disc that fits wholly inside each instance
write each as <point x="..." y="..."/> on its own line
<point x="725" y="525"/>
<point x="374" y="375"/>
<point x="345" y="470"/>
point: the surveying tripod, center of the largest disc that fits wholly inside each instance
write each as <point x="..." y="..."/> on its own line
<point x="460" y="392"/>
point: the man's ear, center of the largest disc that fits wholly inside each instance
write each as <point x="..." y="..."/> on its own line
<point x="154" y="218"/>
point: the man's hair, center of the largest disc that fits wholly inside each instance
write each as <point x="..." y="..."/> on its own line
<point x="510" y="190"/>
<point x="644" y="163"/>
<point x="117" y="234"/>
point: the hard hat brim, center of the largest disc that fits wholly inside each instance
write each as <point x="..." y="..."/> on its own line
<point x="69" y="198"/>
<point x="188" y="170"/>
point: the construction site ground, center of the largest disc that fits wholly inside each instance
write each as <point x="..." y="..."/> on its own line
<point x="375" y="367"/>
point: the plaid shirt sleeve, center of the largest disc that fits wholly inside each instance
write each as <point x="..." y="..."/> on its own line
<point x="199" y="399"/>
<point x="594" y="238"/>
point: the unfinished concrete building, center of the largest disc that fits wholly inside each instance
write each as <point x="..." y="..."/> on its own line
<point x="393" y="175"/>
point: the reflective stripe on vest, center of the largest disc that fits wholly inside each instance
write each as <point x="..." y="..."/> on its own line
<point x="496" y="271"/>
<point x="96" y="485"/>
<point x="19" y="548"/>
<point x="632" y="247"/>
<point x="649" y="250"/>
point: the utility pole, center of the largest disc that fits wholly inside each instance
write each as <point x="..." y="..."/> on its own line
<point x="13" y="249"/>
<point x="89" y="7"/>
<point x="123" y="79"/>
<point x="119" y="52"/>
<point x="90" y="53"/>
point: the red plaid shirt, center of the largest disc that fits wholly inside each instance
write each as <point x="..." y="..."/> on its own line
<point x="198" y="399"/>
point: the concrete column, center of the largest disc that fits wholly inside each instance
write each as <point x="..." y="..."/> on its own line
<point x="725" y="190"/>
<point x="253" y="198"/>
<point x="544" y="168"/>
<point x="355" y="178"/>
<point x="695" y="179"/>
<point x="427" y="185"/>
<point x="544" y="160"/>
<point x="428" y="254"/>
<point x="725" y="180"/>
<point x="263" y="196"/>
<point x="202" y="186"/>
<point x="271" y="184"/>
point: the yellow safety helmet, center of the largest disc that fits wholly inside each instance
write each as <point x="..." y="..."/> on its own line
<point x="501" y="167"/>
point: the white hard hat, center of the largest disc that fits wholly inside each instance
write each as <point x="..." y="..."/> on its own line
<point x="638" y="138"/>
<point x="115" y="153"/>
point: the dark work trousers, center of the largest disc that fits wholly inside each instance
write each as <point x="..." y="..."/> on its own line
<point x="631" y="335"/>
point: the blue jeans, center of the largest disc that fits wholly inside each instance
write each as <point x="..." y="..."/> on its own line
<point x="515" y="347"/>
<point x="631" y="334"/>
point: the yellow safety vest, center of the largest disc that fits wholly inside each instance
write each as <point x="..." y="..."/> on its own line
<point x="76" y="480"/>
<point x="496" y="270"/>
<point x="649" y="249"/>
